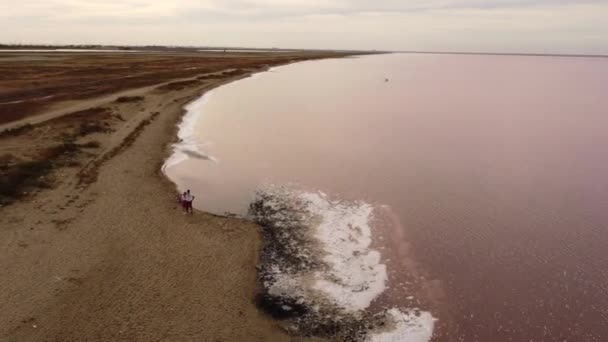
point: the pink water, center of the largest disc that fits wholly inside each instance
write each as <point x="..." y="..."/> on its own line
<point x="492" y="173"/>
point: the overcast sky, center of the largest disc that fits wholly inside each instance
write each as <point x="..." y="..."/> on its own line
<point x="559" y="26"/>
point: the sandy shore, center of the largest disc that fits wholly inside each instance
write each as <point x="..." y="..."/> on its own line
<point x="107" y="255"/>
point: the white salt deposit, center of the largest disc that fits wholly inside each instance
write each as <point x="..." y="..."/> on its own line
<point x="408" y="327"/>
<point x="290" y="286"/>
<point x="355" y="276"/>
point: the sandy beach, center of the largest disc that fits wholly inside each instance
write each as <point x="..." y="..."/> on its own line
<point x="95" y="248"/>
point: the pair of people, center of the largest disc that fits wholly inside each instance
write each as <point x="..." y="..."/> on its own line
<point x="186" y="200"/>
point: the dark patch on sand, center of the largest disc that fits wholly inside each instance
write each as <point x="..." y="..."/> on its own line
<point x="128" y="99"/>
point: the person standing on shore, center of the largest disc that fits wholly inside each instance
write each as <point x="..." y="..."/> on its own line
<point x="181" y="199"/>
<point x="188" y="199"/>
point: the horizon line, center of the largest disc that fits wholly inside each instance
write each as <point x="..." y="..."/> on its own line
<point x="489" y="53"/>
<point x="523" y="54"/>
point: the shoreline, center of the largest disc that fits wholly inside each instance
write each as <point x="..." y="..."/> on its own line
<point x="317" y="270"/>
<point x="194" y="101"/>
<point x="116" y="260"/>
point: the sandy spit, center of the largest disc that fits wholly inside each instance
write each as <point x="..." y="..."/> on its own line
<point x="120" y="262"/>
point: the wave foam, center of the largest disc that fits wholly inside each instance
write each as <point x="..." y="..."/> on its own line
<point x="188" y="146"/>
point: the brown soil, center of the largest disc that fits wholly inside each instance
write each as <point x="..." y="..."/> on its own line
<point x="26" y="88"/>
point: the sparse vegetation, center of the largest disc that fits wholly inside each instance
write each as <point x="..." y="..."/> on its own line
<point x="29" y="88"/>
<point x="119" y="117"/>
<point x="91" y="144"/>
<point x="88" y="127"/>
<point x="234" y="72"/>
<point x="127" y="99"/>
<point x="16" y="131"/>
<point x="209" y="77"/>
<point x="88" y="174"/>
<point x="6" y="160"/>
<point x="39" y="149"/>
<point x="178" y="85"/>
<point x="17" y="177"/>
<point x="68" y="148"/>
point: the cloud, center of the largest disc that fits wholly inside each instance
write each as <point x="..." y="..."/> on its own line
<point x="481" y="25"/>
<point x="154" y="9"/>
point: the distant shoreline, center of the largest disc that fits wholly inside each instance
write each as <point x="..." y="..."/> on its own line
<point x="502" y="54"/>
<point x="15" y="48"/>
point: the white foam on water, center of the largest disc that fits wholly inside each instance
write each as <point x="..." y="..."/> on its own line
<point x="188" y="145"/>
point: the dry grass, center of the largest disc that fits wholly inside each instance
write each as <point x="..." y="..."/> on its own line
<point x="91" y="144"/>
<point x="236" y="72"/>
<point x="87" y="128"/>
<point x="28" y="88"/>
<point x="127" y="99"/>
<point x="179" y="85"/>
<point x="17" y="180"/>
<point x="88" y="174"/>
<point x="20" y="177"/>
<point x="16" y="131"/>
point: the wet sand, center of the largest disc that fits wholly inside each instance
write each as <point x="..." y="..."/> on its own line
<point x="106" y="254"/>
